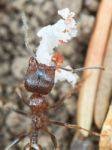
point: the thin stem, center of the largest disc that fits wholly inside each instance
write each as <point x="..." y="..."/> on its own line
<point x="26" y="29"/>
<point x="82" y="69"/>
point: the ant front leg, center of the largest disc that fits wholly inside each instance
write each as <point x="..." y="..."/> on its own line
<point x="16" y="141"/>
<point x="67" y="95"/>
<point x="61" y="100"/>
<point x="21" y="97"/>
<point x="76" y="89"/>
<point x="20" y="112"/>
<point x="74" y="126"/>
<point x="21" y="93"/>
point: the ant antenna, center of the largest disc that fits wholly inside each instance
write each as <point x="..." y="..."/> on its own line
<point x="82" y="69"/>
<point x="26" y="36"/>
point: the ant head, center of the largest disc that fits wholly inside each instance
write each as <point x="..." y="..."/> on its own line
<point x="39" y="77"/>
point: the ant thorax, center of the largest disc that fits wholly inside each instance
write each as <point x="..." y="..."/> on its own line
<point x="38" y="103"/>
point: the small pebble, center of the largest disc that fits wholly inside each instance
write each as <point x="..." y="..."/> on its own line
<point x="19" y="67"/>
<point x="74" y="5"/>
<point x="92" y="5"/>
<point x="79" y="144"/>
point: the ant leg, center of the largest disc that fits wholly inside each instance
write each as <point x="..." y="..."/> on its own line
<point x="53" y="138"/>
<point x="20" y="137"/>
<point x="19" y="112"/>
<point x="61" y="100"/>
<point x="22" y="96"/>
<point x="76" y="89"/>
<point x="77" y="86"/>
<point x="73" y="126"/>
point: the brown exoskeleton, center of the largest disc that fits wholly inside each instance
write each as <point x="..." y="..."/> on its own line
<point x="39" y="80"/>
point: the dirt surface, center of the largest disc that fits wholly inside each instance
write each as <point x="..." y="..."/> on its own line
<point x="14" y="59"/>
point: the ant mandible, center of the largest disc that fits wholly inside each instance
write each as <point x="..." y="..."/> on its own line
<point x="39" y="80"/>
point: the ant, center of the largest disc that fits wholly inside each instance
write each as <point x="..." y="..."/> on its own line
<point x="39" y="80"/>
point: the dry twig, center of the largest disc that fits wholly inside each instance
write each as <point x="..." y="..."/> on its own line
<point x="104" y="87"/>
<point x="94" y="57"/>
<point x="106" y="140"/>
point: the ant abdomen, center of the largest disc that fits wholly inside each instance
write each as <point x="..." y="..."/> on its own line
<point x="40" y="78"/>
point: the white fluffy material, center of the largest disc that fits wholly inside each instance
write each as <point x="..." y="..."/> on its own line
<point x="54" y="35"/>
<point x="63" y="75"/>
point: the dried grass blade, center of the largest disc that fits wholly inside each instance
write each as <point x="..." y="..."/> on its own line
<point x="94" y="57"/>
<point x="105" y="87"/>
<point x="106" y="138"/>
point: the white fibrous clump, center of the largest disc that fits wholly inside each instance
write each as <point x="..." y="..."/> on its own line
<point x="63" y="75"/>
<point x="54" y="35"/>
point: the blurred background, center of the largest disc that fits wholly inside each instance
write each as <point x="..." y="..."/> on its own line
<point x="14" y="59"/>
